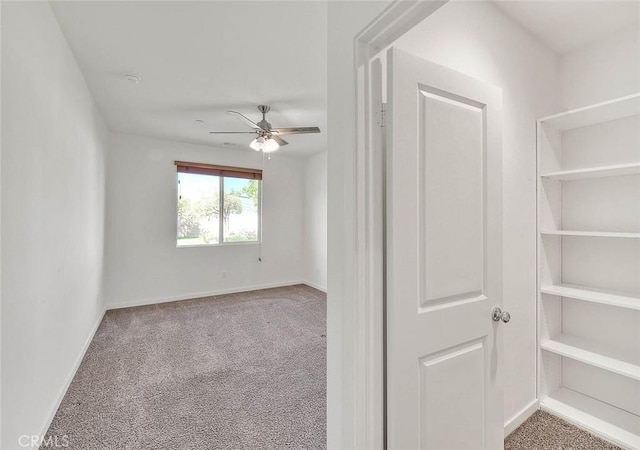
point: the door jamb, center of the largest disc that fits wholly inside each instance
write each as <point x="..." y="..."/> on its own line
<point x="370" y="423"/>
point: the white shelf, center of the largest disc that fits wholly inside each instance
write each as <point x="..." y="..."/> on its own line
<point x="605" y="234"/>
<point x="601" y="112"/>
<point x="612" y="298"/>
<point x="594" y="364"/>
<point x="610" y="423"/>
<point x="598" y="355"/>
<point x="594" y="172"/>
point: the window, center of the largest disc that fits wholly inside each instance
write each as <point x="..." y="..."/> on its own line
<point x="217" y="204"/>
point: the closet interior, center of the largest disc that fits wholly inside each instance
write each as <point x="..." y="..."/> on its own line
<point x="589" y="268"/>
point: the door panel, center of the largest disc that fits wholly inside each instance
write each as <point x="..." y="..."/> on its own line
<point x="444" y="258"/>
<point x="445" y="376"/>
<point x="450" y="156"/>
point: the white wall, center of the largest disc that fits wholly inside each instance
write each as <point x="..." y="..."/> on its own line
<point x="143" y="264"/>
<point x="479" y="40"/>
<point x="315" y="220"/>
<point x="601" y="71"/>
<point x="53" y="147"/>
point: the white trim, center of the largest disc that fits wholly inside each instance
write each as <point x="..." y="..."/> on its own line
<point x="605" y="421"/>
<point x="72" y="373"/>
<point x="194" y="295"/>
<point x="220" y="244"/>
<point x="519" y="418"/>
<point x="315" y="286"/>
<point x="398" y="18"/>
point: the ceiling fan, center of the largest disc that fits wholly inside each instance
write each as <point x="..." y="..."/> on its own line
<point x="268" y="138"/>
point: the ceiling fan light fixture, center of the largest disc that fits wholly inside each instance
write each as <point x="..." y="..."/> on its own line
<point x="258" y="143"/>
<point x="270" y="145"/>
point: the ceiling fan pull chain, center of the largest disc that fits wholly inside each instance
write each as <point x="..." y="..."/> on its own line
<point x="260" y="189"/>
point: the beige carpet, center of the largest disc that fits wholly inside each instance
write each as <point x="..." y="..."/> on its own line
<point x="238" y="371"/>
<point x="543" y="431"/>
<point x="226" y="372"/>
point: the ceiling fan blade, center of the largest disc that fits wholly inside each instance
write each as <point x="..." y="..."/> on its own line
<point x="297" y="130"/>
<point x="279" y="140"/>
<point x="245" y="120"/>
<point x="232" y="132"/>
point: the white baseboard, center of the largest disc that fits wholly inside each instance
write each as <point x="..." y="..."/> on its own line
<point x="192" y="295"/>
<point x="71" y="374"/>
<point x="316" y="286"/>
<point x="520" y="417"/>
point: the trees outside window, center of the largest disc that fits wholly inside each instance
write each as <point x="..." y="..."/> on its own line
<point x="211" y="207"/>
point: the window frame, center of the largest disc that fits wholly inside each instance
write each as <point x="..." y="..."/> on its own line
<point x="221" y="172"/>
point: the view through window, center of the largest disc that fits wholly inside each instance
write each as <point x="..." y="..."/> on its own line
<point x="211" y="206"/>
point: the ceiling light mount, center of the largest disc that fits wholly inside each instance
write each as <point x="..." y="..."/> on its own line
<point x="132" y="77"/>
<point x="264" y="109"/>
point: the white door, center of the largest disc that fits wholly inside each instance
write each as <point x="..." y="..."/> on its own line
<point x="444" y="258"/>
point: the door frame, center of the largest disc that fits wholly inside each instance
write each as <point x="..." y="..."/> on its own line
<point x="369" y="189"/>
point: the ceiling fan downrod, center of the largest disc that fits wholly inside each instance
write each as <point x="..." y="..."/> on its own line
<point x="264" y="109"/>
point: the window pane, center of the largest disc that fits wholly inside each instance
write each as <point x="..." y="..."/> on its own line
<point x="240" y="210"/>
<point x="198" y="209"/>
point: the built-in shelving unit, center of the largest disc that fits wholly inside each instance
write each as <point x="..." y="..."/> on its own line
<point x="612" y="359"/>
<point x="594" y="172"/>
<point x="589" y="268"/>
<point x="604" y="297"/>
<point x="618" y="426"/>
<point x="604" y="234"/>
<point x="619" y="108"/>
